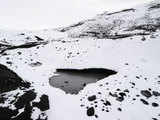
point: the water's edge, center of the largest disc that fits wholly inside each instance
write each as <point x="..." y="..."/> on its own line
<point x="73" y="80"/>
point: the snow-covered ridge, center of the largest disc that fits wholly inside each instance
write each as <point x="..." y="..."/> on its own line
<point x="127" y="41"/>
<point x="139" y="20"/>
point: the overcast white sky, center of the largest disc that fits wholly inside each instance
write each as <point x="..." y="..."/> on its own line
<point x="40" y="14"/>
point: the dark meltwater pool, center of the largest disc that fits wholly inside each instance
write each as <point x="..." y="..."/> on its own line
<point x="73" y="80"/>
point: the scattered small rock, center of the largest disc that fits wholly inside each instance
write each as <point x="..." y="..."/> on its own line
<point x="155" y="104"/>
<point x="90" y="111"/>
<point x="156" y="93"/>
<point x="36" y="64"/>
<point x="107" y="103"/>
<point x="119" y="109"/>
<point x="92" y="98"/>
<point x="144" y="101"/>
<point x="146" y="93"/>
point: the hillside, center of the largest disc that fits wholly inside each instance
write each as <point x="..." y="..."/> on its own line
<point x="127" y="42"/>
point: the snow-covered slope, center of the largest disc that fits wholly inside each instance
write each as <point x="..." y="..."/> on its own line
<point x="135" y="21"/>
<point x="127" y="41"/>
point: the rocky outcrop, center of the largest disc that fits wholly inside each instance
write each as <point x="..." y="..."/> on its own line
<point x="24" y="102"/>
<point x="23" y="99"/>
<point x="117" y="25"/>
<point x="10" y="80"/>
<point x="43" y="104"/>
<point x="26" y="45"/>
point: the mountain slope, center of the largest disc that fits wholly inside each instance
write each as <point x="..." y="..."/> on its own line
<point x="125" y="23"/>
<point x="127" y="41"/>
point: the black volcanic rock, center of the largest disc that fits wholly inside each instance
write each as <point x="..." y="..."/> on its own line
<point x="25" y="98"/>
<point x="120" y="99"/>
<point x="155" y="104"/>
<point x="26" y="114"/>
<point x="38" y="38"/>
<point x="90" y="111"/>
<point x="92" y="98"/>
<point x="156" y="93"/>
<point x="43" y="105"/>
<point x="146" y="93"/>
<point x="10" y="81"/>
<point x="107" y="103"/>
<point x="144" y="101"/>
<point x="25" y="102"/>
<point x="6" y="113"/>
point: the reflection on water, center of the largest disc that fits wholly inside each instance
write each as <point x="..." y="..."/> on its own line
<point x="73" y="80"/>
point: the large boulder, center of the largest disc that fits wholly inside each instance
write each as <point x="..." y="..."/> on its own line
<point x="9" y="80"/>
